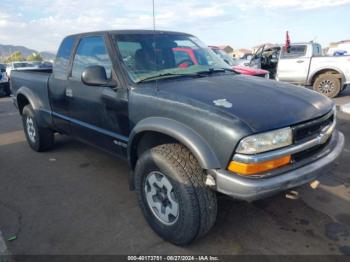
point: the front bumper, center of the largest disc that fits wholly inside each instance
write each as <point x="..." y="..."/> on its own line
<point x="257" y="188"/>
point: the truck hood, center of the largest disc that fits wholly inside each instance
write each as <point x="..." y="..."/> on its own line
<point x="260" y="103"/>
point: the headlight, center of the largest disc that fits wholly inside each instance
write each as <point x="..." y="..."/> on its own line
<point x="267" y="76"/>
<point x="265" y="141"/>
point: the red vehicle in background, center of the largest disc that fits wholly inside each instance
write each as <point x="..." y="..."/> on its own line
<point x="186" y="56"/>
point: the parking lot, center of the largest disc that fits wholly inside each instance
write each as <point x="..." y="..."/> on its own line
<point x="75" y="199"/>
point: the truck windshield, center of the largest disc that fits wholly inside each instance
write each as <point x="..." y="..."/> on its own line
<point x="147" y="56"/>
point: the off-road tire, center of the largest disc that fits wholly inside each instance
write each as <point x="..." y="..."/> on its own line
<point x="197" y="203"/>
<point x="343" y="88"/>
<point x="44" y="137"/>
<point x="332" y="80"/>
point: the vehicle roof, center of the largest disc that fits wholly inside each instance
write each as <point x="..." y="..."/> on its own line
<point x="298" y="43"/>
<point x="131" y="31"/>
<point x="304" y="43"/>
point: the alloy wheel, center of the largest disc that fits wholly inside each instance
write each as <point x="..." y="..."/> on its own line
<point x="161" y="198"/>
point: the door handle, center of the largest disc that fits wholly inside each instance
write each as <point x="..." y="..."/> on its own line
<point x="111" y="99"/>
<point x="300" y="61"/>
<point x="69" y="92"/>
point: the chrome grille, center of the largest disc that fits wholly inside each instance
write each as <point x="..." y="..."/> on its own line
<point x="311" y="129"/>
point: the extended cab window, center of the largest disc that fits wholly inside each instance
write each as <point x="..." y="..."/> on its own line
<point x="91" y="51"/>
<point x="294" y="51"/>
<point x="62" y="60"/>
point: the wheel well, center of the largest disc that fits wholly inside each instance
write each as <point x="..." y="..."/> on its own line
<point x="146" y="140"/>
<point x="22" y="101"/>
<point x="327" y="71"/>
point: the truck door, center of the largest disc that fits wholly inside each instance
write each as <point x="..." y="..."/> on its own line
<point x="255" y="61"/>
<point x="58" y="85"/>
<point x="293" y="66"/>
<point x="98" y="113"/>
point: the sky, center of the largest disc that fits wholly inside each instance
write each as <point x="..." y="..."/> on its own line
<point x="41" y="24"/>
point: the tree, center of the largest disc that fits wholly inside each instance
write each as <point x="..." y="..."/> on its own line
<point x="34" y="57"/>
<point x="16" y="56"/>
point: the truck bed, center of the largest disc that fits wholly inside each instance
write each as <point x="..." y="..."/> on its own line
<point x="34" y="81"/>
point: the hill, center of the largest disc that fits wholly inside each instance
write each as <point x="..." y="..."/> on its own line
<point x="7" y="50"/>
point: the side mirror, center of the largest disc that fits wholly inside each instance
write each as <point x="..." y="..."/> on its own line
<point x="96" y="76"/>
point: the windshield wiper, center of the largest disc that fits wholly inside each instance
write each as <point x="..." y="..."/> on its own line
<point x="165" y="75"/>
<point x="213" y="71"/>
<point x="194" y="74"/>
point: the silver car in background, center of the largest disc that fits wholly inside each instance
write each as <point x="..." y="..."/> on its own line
<point x="19" y="66"/>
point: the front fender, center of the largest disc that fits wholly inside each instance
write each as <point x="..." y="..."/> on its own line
<point x="184" y="134"/>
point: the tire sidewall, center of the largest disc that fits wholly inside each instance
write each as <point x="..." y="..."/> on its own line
<point x="28" y="112"/>
<point x="185" y="229"/>
<point x="336" y="90"/>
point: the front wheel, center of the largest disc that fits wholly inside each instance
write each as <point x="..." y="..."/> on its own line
<point x="172" y="194"/>
<point x="328" y="85"/>
<point x="38" y="138"/>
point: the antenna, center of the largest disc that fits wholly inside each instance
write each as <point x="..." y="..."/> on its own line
<point x="154" y="38"/>
<point x="154" y="16"/>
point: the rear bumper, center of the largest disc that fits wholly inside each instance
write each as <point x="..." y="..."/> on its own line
<point x="257" y="188"/>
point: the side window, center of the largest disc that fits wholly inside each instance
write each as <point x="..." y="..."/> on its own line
<point x="295" y="51"/>
<point x="91" y="51"/>
<point x="61" y="64"/>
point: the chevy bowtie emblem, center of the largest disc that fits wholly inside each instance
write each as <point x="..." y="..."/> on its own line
<point x="223" y="103"/>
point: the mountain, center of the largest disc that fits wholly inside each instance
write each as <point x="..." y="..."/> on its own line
<point x="47" y="55"/>
<point x="7" y="50"/>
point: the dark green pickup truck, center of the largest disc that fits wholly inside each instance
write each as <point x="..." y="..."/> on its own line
<point x="187" y="130"/>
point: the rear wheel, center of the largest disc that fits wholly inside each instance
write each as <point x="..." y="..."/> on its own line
<point x="172" y="194"/>
<point x="38" y="138"/>
<point x="328" y="85"/>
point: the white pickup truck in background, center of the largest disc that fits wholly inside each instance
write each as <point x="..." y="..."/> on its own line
<point x="304" y="64"/>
